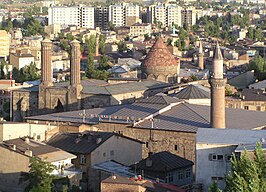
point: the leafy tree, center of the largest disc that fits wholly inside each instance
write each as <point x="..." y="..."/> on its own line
<point x="147" y="37"/>
<point x="90" y="69"/>
<point x="3" y="69"/>
<point x="27" y="73"/>
<point x="102" y="40"/>
<point x="103" y="63"/>
<point x="258" y="64"/>
<point x="32" y="27"/>
<point x="169" y="41"/>
<point x="111" y="26"/>
<point x="122" y="46"/>
<point x="39" y="177"/>
<point x="248" y="174"/>
<point x="214" y="187"/>
<point x="91" y="44"/>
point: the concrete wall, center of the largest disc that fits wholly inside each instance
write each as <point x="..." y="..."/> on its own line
<point x="10" y="170"/>
<point x="117" y="148"/>
<point x="16" y="130"/>
<point x="208" y="170"/>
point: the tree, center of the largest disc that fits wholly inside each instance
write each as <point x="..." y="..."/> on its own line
<point x="147" y="37"/>
<point x="103" y="63"/>
<point x="111" y="26"/>
<point x="122" y="46"/>
<point x="39" y="176"/>
<point x="247" y="174"/>
<point x="91" y="44"/>
<point x="169" y="41"/>
<point x="4" y="69"/>
<point x="258" y="64"/>
<point x="214" y="187"/>
<point x="102" y="40"/>
<point x="90" y="69"/>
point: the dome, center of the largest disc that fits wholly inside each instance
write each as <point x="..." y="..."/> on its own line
<point x="159" y="55"/>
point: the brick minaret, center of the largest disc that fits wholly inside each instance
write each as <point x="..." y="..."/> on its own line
<point x="217" y="82"/>
<point x="201" y="57"/>
<point x="46" y="63"/>
<point x="75" y="67"/>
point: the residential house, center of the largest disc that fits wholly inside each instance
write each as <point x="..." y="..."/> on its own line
<point x="97" y="147"/>
<point x="15" y="158"/>
<point x="249" y="99"/>
<point x="20" y="60"/>
<point x="140" y="29"/>
<point x="166" y="167"/>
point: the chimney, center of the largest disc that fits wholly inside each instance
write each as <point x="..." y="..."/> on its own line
<point x="46" y="63"/>
<point x="28" y="152"/>
<point x="217" y="83"/>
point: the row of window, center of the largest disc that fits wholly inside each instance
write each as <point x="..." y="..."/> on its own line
<point x="219" y="157"/>
<point x="83" y="160"/>
<point x="181" y="175"/>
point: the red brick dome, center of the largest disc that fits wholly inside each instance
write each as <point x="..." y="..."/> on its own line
<point x="159" y="55"/>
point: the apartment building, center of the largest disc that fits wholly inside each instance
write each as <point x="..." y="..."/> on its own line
<point x="188" y="16"/>
<point x="82" y="16"/>
<point x="4" y="44"/>
<point x="101" y="17"/>
<point x="165" y="14"/>
<point x="124" y="14"/>
<point x="139" y="29"/>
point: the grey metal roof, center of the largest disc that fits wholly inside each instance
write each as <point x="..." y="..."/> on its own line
<point x="41" y="150"/>
<point x="229" y="136"/>
<point x="163" y="162"/>
<point x="83" y="143"/>
<point x="249" y="147"/>
<point x="253" y="95"/>
<point x="180" y="117"/>
<point x="193" y="92"/>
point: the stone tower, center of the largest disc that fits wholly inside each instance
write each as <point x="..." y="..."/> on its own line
<point x="46" y="63"/>
<point x="46" y="72"/>
<point x="201" y="57"/>
<point x="75" y="86"/>
<point x="217" y="83"/>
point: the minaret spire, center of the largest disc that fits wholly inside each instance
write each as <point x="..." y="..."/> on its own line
<point x="201" y="57"/>
<point x="218" y="82"/>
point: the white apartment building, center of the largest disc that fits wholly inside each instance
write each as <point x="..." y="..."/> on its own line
<point x="166" y="14"/>
<point x="124" y="14"/>
<point x="82" y="16"/>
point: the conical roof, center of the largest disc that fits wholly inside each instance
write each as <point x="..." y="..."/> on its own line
<point x="159" y="55"/>
<point x="218" y="54"/>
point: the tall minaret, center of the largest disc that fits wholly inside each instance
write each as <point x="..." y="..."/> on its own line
<point x="75" y="67"/>
<point x="201" y="57"/>
<point x="46" y="63"/>
<point x="217" y="83"/>
<point x="97" y="45"/>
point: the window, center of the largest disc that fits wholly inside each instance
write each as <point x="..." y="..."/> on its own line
<point x="82" y="159"/>
<point x="180" y="175"/>
<point x="104" y="154"/>
<point x="246" y="107"/>
<point x="147" y="144"/>
<point x="188" y="173"/>
<point x="258" y="108"/>
<point x="176" y="147"/>
<point x="215" y="157"/>
<point x="170" y="178"/>
<point x="217" y="178"/>
<point x="112" y="153"/>
<point x="228" y="158"/>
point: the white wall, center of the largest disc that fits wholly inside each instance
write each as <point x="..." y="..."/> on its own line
<point x="206" y="169"/>
<point x="125" y="151"/>
<point x="16" y="130"/>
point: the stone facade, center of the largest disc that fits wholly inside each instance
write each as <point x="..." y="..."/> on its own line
<point x="160" y="64"/>
<point x="247" y="105"/>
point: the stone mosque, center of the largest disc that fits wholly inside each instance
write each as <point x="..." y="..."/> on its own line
<point x="49" y="97"/>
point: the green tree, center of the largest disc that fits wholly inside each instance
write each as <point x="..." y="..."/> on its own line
<point x="247" y="174"/>
<point x="4" y="68"/>
<point x="91" y="44"/>
<point x="147" y="37"/>
<point x="39" y="176"/>
<point x="102" y="40"/>
<point x="90" y="68"/>
<point x="103" y="63"/>
<point x="111" y="26"/>
<point x="122" y="46"/>
<point x="214" y="187"/>
<point x="258" y="64"/>
<point x="32" y="27"/>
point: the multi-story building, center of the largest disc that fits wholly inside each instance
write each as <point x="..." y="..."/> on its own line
<point x="188" y="16"/>
<point x="4" y="44"/>
<point x="124" y="14"/>
<point x="101" y="17"/>
<point x="165" y="14"/>
<point x="139" y="29"/>
<point x="82" y="16"/>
